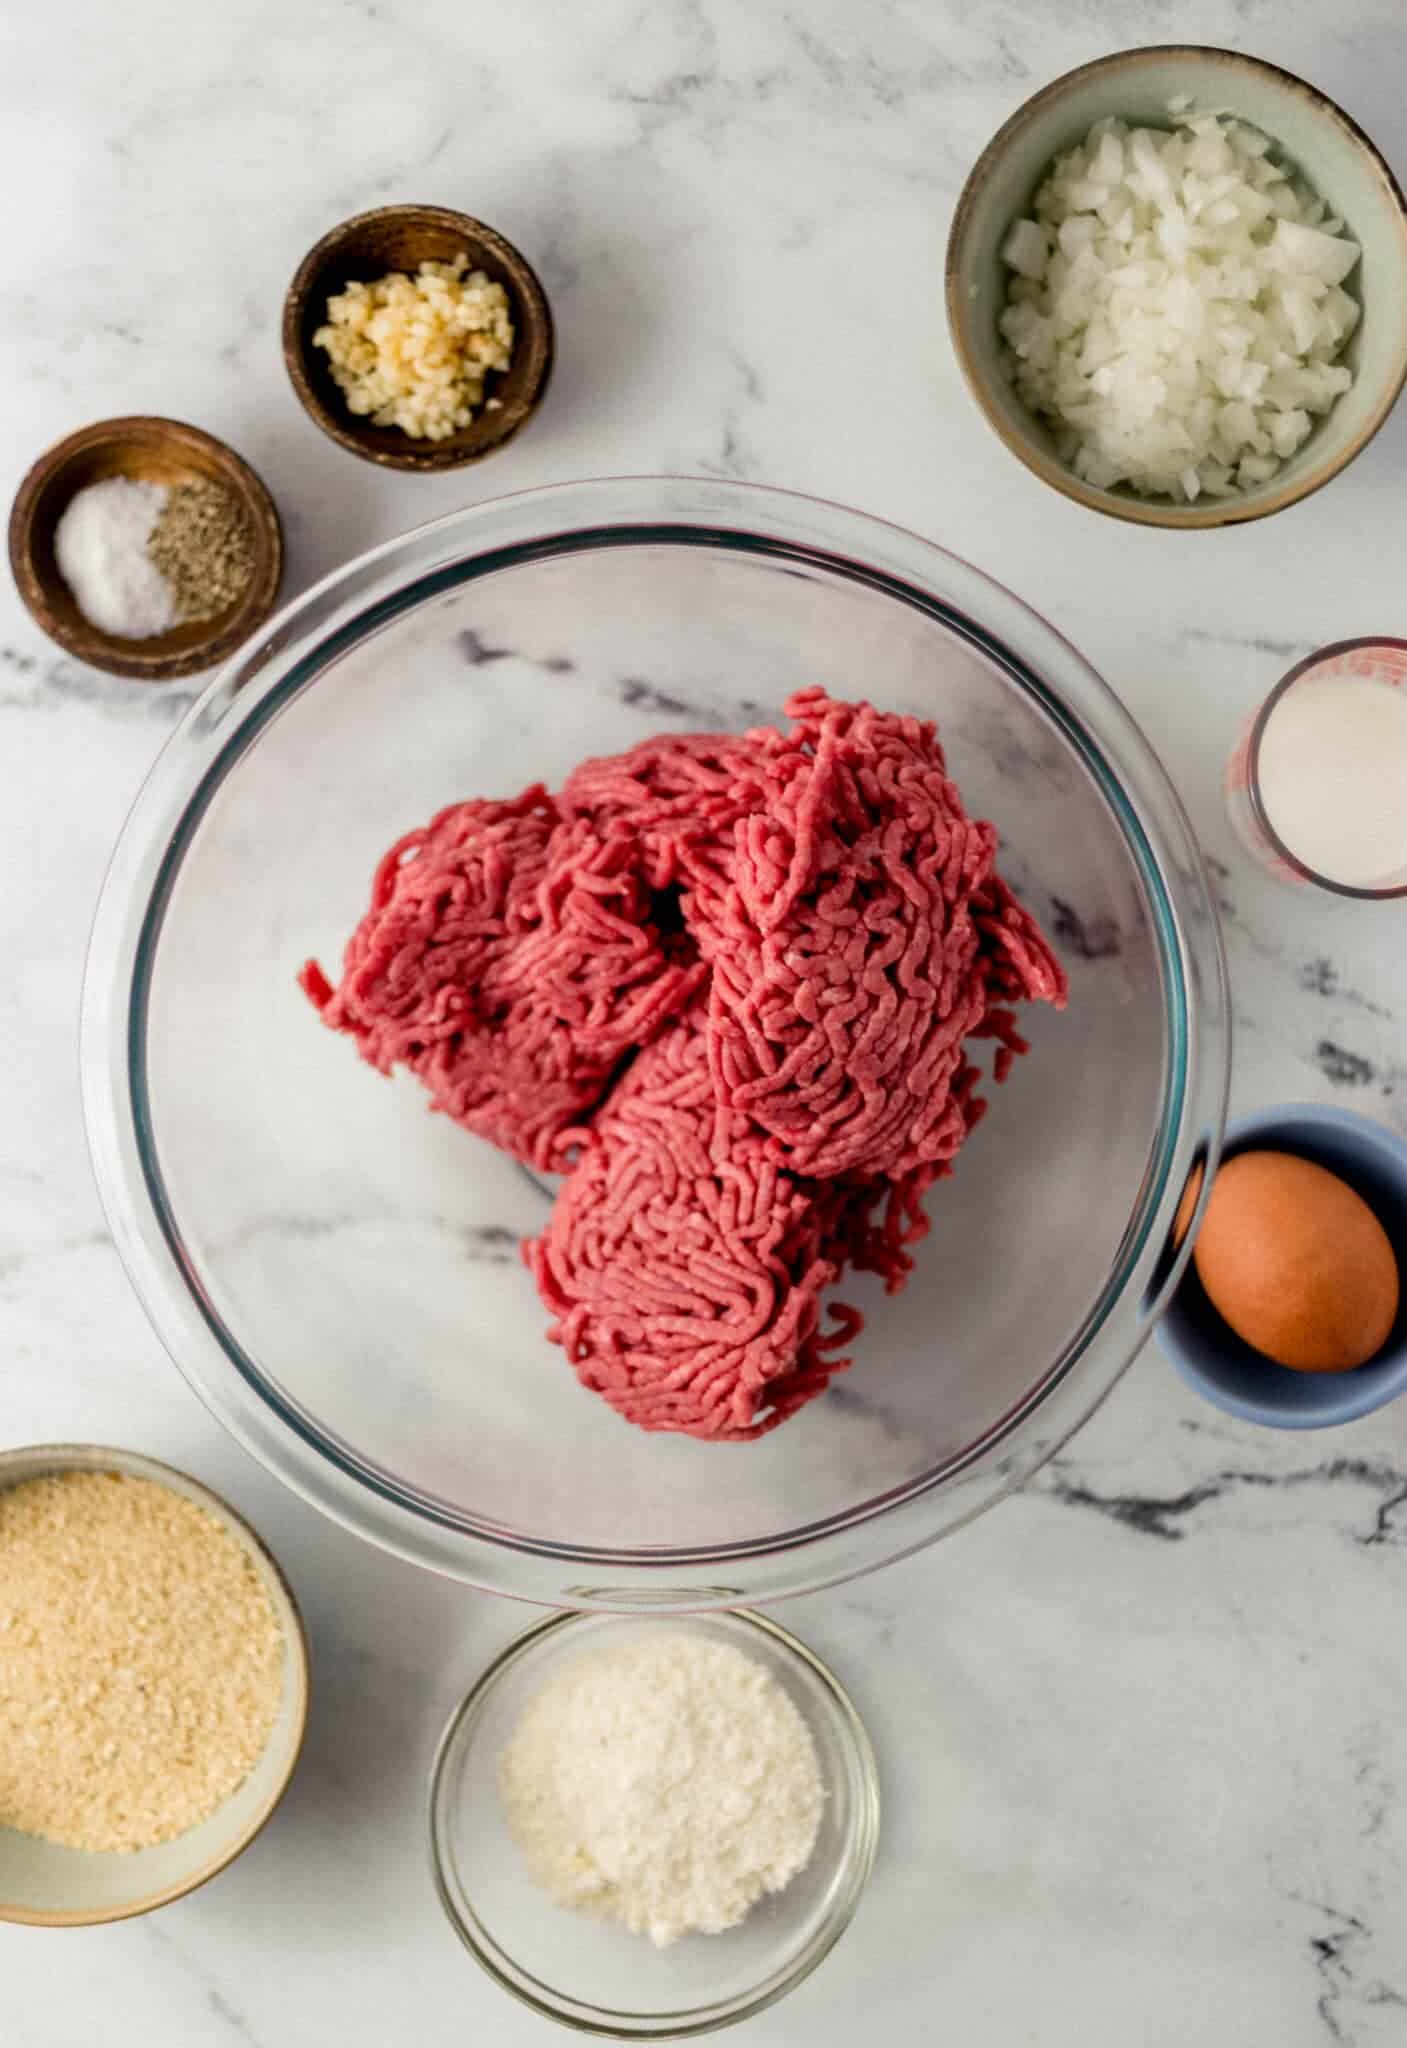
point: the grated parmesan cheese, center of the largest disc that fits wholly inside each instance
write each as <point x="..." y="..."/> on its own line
<point x="1176" y="307"/>
<point x="141" y="1661"/>
<point x="666" y="1783"/>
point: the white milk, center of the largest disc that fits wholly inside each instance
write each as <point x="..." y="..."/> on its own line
<point x="1333" y="778"/>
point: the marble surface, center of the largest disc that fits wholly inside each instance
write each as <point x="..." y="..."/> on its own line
<point x="1141" y="1729"/>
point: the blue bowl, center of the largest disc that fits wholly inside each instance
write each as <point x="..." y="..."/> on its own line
<point x="1206" y="1350"/>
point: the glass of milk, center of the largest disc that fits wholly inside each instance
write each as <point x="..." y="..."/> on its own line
<point x="1317" y="786"/>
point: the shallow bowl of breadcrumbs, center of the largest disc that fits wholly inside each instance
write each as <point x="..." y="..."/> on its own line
<point x="417" y="337"/>
<point x="153" y="1685"/>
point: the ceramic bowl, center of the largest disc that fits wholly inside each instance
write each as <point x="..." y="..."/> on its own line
<point x="45" y="1885"/>
<point x="594" y="1975"/>
<point x="400" y="238"/>
<point x="1216" y="1362"/>
<point x="1321" y="140"/>
<point x="148" y="450"/>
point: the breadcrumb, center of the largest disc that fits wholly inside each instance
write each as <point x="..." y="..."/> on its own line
<point x="141" y="1661"/>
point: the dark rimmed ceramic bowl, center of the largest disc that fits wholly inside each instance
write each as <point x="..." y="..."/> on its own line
<point x="1224" y="1369"/>
<point x="1326" y="145"/>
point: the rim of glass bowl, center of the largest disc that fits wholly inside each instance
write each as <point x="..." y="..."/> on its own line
<point x="490" y="1954"/>
<point x="286" y="658"/>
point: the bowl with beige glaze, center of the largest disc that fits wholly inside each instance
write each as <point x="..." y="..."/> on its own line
<point x="43" y="1884"/>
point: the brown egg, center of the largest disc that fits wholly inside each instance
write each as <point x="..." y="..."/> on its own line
<point x="1297" y="1263"/>
<point x="1182" y="1220"/>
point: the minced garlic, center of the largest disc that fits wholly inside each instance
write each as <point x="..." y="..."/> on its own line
<point x="413" y="352"/>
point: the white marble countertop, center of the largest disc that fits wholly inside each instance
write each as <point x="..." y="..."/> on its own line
<point x="1142" y="1729"/>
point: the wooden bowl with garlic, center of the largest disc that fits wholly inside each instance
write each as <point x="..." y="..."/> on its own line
<point x="418" y="338"/>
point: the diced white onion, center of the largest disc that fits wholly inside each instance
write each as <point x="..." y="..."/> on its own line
<point x="1176" y="307"/>
<point x="1025" y="249"/>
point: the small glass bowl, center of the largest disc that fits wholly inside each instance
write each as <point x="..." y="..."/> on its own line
<point x="594" y="1975"/>
<point x="1375" y="656"/>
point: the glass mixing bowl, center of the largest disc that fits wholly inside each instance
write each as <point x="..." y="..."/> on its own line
<point x="336" y="1271"/>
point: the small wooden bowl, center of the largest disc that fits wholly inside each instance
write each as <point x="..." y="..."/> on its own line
<point x="371" y="245"/>
<point x="148" y="451"/>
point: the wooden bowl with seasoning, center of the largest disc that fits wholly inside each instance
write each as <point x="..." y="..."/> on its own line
<point x="157" y="451"/>
<point x="160" y="1548"/>
<point x="394" y="239"/>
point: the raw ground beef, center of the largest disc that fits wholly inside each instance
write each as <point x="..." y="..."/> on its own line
<point x="510" y="960"/>
<point x="726" y="983"/>
<point x="859" y="940"/>
<point x="684" y="1267"/>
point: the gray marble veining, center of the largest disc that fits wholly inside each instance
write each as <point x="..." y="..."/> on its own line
<point x="1141" y="1729"/>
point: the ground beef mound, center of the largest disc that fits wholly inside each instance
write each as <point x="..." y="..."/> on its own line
<point x="684" y="1268"/>
<point x="729" y="985"/>
<point x="859" y="941"/>
<point x="511" y="960"/>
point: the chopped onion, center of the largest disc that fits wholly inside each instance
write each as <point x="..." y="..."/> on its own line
<point x="1176" y="307"/>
